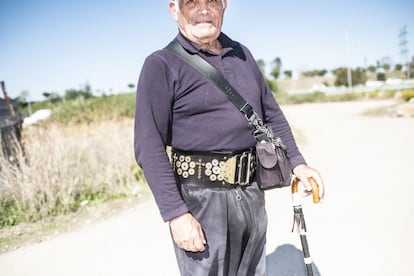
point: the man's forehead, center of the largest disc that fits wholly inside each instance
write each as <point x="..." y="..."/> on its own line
<point x="180" y="1"/>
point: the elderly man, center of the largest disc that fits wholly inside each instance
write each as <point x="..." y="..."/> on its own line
<point x="218" y="228"/>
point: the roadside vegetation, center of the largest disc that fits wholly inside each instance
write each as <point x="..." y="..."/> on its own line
<point x="284" y="98"/>
<point x="80" y="158"/>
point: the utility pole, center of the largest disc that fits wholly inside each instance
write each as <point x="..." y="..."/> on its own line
<point x="404" y="49"/>
<point x="348" y="67"/>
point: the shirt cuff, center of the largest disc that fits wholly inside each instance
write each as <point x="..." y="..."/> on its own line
<point x="176" y="212"/>
<point x="296" y="160"/>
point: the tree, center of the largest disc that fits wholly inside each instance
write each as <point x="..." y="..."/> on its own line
<point x="341" y="74"/>
<point x="86" y="93"/>
<point x="386" y="63"/>
<point x="321" y="72"/>
<point x="277" y="66"/>
<point x="358" y="76"/>
<point x="288" y="73"/>
<point x="315" y="72"/>
<point x="398" y="67"/>
<point x="131" y="86"/>
<point x="381" y="76"/>
<point x="52" y="96"/>
<point x="270" y="83"/>
<point x="71" y="94"/>
<point x="262" y="65"/>
<point x="372" y="68"/>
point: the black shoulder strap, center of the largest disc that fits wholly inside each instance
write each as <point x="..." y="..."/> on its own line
<point x="262" y="132"/>
<point x="210" y="72"/>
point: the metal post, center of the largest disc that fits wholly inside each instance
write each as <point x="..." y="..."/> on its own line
<point x="349" y="69"/>
<point x="8" y="103"/>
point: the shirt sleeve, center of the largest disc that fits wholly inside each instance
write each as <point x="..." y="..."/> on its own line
<point x="152" y="134"/>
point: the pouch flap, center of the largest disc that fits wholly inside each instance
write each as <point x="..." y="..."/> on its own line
<point x="266" y="154"/>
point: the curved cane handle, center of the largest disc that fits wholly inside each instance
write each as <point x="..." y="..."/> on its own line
<point x="315" y="188"/>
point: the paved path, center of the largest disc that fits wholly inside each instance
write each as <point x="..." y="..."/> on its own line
<point x="365" y="226"/>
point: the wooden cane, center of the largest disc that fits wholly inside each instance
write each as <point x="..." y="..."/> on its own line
<point x="315" y="188"/>
<point x="299" y="220"/>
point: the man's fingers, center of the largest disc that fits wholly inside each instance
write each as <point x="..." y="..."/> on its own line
<point x="199" y="246"/>
<point x="321" y="186"/>
<point x="188" y="233"/>
<point x="199" y="240"/>
<point x="306" y="184"/>
<point x="194" y="245"/>
<point x="201" y="235"/>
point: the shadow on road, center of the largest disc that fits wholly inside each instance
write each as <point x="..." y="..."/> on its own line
<point x="287" y="260"/>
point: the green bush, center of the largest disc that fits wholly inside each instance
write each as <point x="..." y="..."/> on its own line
<point x="381" y="77"/>
<point x="85" y="110"/>
<point x="10" y="214"/>
<point x="407" y="94"/>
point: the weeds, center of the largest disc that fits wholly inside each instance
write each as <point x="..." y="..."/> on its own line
<point x="65" y="167"/>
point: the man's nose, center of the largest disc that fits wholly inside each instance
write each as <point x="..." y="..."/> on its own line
<point x="203" y="5"/>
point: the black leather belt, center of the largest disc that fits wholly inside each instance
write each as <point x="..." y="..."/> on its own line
<point x="214" y="167"/>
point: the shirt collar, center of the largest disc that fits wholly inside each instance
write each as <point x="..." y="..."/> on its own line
<point x="226" y="43"/>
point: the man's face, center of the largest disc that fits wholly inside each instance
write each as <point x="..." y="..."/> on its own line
<point x="199" y="20"/>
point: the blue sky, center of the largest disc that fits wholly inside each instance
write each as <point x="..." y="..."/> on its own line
<point x="54" y="45"/>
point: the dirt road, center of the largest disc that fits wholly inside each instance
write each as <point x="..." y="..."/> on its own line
<point x="365" y="226"/>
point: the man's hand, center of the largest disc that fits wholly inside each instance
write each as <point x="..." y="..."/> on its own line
<point x="187" y="233"/>
<point x="303" y="172"/>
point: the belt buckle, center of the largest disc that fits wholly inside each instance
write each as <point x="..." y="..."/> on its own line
<point x="228" y="171"/>
<point x="244" y="156"/>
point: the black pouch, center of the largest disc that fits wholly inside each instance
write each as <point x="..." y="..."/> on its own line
<point x="273" y="167"/>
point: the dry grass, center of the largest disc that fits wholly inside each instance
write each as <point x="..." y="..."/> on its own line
<point x="65" y="167"/>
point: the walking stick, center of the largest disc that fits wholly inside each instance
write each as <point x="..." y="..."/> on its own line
<point x="299" y="219"/>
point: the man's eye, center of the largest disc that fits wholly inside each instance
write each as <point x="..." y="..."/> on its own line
<point x="194" y="3"/>
<point x="190" y="2"/>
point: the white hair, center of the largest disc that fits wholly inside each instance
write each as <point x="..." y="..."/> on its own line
<point x="177" y="2"/>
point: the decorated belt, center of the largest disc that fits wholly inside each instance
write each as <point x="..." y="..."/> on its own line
<point x="217" y="167"/>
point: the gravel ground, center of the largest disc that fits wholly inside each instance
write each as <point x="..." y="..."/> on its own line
<point x="364" y="226"/>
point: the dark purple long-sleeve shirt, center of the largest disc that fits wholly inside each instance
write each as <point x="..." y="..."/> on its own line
<point x="177" y="106"/>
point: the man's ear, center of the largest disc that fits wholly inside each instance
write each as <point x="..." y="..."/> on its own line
<point x="174" y="10"/>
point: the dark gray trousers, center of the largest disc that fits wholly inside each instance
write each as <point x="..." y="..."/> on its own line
<point x="234" y="222"/>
